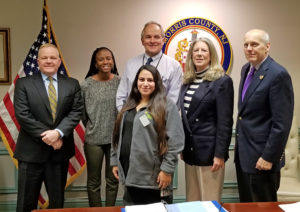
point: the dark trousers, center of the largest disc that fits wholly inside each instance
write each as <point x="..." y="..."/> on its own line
<point x="260" y="187"/>
<point x="140" y="196"/>
<point x="30" y="179"/>
<point x="94" y="157"/>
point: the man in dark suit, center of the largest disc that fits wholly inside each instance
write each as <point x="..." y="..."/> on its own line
<point x="47" y="106"/>
<point x="265" y="112"/>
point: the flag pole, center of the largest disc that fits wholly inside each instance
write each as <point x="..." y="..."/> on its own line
<point x="50" y="29"/>
<point x="9" y="127"/>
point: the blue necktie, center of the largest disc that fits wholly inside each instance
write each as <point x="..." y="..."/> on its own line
<point x="149" y="61"/>
<point x="248" y="81"/>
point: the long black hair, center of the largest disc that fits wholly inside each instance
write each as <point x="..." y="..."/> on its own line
<point x="93" y="70"/>
<point x="156" y="107"/>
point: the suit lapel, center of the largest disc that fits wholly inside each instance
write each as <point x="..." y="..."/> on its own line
<point x="41" y="89"/>
<point x="243" y="75"/>
<point x="183" y="113"/>
<point x="257" y="79"/>
<point x="200" y="93"/>
<point x="61" y="93"/>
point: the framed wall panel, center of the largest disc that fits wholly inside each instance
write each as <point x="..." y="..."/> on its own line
<point x="5" y="66"/>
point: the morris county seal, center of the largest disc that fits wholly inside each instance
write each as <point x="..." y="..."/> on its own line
<point x="181" y="34"/>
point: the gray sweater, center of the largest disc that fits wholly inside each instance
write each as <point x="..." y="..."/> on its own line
<point x="145" y="162"/>
<point x="100" y="110"/>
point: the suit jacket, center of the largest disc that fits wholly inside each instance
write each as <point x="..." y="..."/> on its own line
<point x="208" y="123"/>
<point x="33" y="112"/>
<point x="264" y="117"/>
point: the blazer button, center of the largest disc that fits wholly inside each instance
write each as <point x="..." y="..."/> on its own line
<point x="192" y="149"/>
<point x="196" y="120"/>
<point x="240" y="117"/>
<point x="237" y="134"/>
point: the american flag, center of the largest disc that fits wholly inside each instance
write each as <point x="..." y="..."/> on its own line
<point x="9" y="127"/>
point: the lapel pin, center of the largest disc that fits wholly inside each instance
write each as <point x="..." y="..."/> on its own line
<point x="261" y="77"/>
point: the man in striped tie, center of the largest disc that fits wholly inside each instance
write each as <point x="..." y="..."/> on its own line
<point x="48" y="107"/>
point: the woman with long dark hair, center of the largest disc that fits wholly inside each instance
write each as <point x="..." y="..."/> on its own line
<point x="99" y="115"/>
<point x="147" y="138"/>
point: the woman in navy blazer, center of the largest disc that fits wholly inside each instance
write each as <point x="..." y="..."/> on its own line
<point x="206" y="103"/>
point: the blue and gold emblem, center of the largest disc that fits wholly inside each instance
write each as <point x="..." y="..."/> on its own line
<point x="181" y="34"/>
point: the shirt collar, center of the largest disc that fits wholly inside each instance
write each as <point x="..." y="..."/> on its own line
<point x="155" y="57"/>
<point x="202" y="73"/>
<point x="258" y="65"/>
<point x="44" y="76"/>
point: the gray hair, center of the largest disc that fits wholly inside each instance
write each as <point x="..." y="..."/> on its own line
<point x="155" y="23"/>
<point x="264" y="36"/>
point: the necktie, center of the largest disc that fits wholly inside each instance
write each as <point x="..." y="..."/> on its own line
<point x="149" y="61"/>
<point x="248" y="81"/>
<point x="52" y="97"/>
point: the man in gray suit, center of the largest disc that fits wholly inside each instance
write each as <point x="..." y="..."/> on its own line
<point x="265" y="112"/>
<point x="47" y="106"/>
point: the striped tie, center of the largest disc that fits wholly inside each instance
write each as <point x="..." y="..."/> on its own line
<point x="52" y="97"/>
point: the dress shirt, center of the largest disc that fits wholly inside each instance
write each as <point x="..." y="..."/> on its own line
<point x="256" y="68"/>
<point x="258" y="65"/>
<point x="46" y="83"/>
<point x="169" y="69"/>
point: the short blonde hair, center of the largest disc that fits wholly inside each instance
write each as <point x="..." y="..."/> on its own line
<point x="45" y="45"/>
